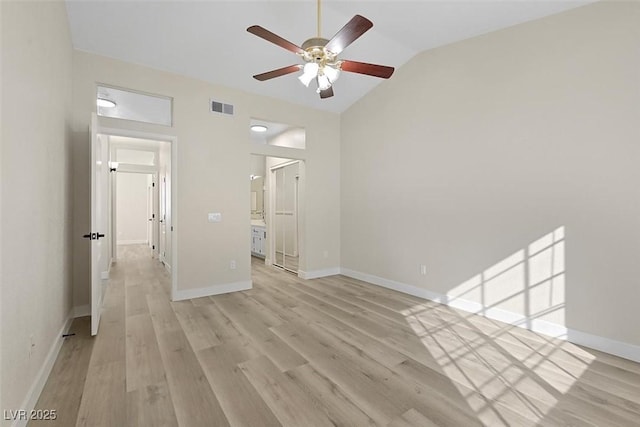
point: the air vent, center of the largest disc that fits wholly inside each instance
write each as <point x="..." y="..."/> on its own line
<point x="220" y="107"/>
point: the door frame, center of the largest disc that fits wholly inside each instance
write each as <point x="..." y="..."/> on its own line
<point x="162" y="218"/>
<point x="173" y="228"/>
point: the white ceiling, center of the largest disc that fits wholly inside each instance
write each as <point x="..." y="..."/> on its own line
<point x="207" y="40"/>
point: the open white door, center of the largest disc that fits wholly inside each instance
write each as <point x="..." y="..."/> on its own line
<point x="99" y="198"/>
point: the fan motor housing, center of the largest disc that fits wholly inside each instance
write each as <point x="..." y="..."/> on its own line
<point x="314" y="50"/>
<point x="314" y="42"/>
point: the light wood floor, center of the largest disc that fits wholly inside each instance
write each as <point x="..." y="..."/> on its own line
<point x="326" y="352"/>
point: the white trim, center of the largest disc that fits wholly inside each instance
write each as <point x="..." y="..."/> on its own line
<point x="283" y="165"/>
<point x="82" y="310"/>
<point x="607" y="345"/>
<point x="308" y="275"/>
<point x="133" y="168"/>
<point x="136" y="134"/>
<point x="223" y="288"/>
<point x="167" y="266"/>
<point x="133" y="242"/>
<point x="43" y="374"/>
<point x="174" y="217"/>
<point x="392" y="284"/>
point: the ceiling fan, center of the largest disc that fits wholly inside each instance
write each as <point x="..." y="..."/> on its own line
<point x="320" y="56"/>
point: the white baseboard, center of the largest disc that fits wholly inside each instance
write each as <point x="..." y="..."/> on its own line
<point x="224" y="288"/>
<point x="132" y="242"/>
<point x="82" y="310"/>
<point x="607" y="345"/>
<point x="43" y="373"/>
<point x="392" y="284"/>
<point x="315" y="274"/>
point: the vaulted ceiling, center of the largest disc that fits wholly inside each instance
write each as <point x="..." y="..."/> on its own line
<point x="207" y="40"/>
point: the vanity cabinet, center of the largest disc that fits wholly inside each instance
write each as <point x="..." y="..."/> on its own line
<point x="258" y="241"/>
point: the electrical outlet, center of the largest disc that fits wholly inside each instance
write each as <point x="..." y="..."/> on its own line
<point x="232" y="264"/>
<point x="423" y="270"/>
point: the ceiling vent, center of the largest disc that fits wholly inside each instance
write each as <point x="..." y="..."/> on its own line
<point x="220" y="107"/>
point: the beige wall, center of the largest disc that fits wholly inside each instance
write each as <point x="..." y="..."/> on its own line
<point x="213" y="167"/>
<point x="476" y="150"/>
<point x="36" y="197"/>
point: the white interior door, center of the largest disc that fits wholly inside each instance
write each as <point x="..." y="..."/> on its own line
<point x="99" y="198"/>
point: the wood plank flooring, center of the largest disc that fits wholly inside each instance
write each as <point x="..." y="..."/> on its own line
<point x="325" y="352"/>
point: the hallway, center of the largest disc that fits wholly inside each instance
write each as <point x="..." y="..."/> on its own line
<point x="326" y="352"/>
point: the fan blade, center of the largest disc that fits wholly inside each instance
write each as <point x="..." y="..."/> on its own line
<point x="274" y="38"/>
<point x="277" y="73"/>
<point x="348" y="34"/>
<point x="327" y="93"/>
<point x="381" y="71"/>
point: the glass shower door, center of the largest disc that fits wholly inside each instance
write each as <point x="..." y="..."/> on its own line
<point x="286" y="217"/>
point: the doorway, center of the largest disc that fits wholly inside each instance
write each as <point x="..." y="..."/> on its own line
<point x="285" y="188"/>
<point x="135" y="197"/>
<point x="276" y="195"/>
<point x="141" y="168"/>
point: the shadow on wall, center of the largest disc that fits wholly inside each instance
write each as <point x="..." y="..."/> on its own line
<point x="526" y="288"/>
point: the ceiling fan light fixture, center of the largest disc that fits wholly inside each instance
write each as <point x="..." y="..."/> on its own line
<point x="320" y="56"/>
<point x="323" y="82"/>
<point x="310" y="71"/>
<point x="259" y="128"/>
<point x="331" y="72"/>
<point x="105" y="103"/>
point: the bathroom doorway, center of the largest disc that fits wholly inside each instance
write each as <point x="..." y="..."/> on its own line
<point x="277" y="194"/>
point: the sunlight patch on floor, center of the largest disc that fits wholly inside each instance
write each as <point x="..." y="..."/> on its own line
<point x="513" y="369"/>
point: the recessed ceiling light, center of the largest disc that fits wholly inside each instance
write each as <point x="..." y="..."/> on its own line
<point x="106" y="103"/>
<point x="259" y="128"/>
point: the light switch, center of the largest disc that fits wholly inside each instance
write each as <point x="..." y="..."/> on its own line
<point x="215" y="217"/>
